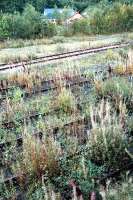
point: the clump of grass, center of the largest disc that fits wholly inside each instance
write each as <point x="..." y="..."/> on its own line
<point x="115" y="87"/>
<point x="40" y="191"/>
<point x="40" y="157"/>
<point x="115" y="90"/>
<point x="106" y="141"/>
<point x="60" y="48"/>
<point x="13" y="58"/>
<point x="123" y="70"/>
<point x="66" y="100"/>
<point x="25" y="79"/>
<point x="22" y="80"/>
<point x="129" y="123"/>
<point x="110" y="56"/>
<point x="122" y="191"/>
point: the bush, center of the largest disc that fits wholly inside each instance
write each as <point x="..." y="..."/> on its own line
<point x="47" y="29"/>
<point x="81" y="26"/>
<point x="27" y="25"/>
<point x="116" y="18"/>
<point x="4" y="26"/>
<point x="106" y="141"/>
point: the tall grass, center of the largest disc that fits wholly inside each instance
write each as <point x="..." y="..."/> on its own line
<point x="106" y="140"/>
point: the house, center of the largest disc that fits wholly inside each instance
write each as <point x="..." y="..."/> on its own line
<point x="64" y="16"/>
<point x="75" y="17"/>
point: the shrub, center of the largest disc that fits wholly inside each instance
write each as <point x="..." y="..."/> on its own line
<point x="27" y="25"/>
<point x="80" y="27"/>
<point x="115" y="18"/>
<point x="4" y="26"/>
<point x="40" y="157"/>
<point x="47" y="29"/>
<point x="106" y="140"/>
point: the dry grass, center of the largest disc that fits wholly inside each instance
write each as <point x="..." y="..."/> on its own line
<point x="26" y="79"/>
<point x="125" y="66"/>
<point x="40" y="156"/>
<point x="123" y="70"/>
<point x="26" y="50"/>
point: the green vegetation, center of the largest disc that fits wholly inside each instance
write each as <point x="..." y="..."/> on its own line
<point x="102" y="18"/>
<point x="29" y="24"/>
<point x="11" y="6"/>
<point x="66" y="129"/>
<point x="109" y="19"/>
<point x="13" y="50"/>
<point x="72" y="136"/>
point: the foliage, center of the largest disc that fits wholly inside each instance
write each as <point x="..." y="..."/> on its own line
<point x="4" y="26"/>
<point x="40" y="191"/>
<point x="116" y="18"/>
<point x="77" y="167"/>
<point x="47" y="29"/>
<point x="129" y="123"/>
<point x="106" y="140"/>
<point x="80" y="27"/>
<point x="121" y="191"/>
<point x="27" y="25"/>
<point x="66" y="100"/>
<point x="40" y="158"/>
<point x="17" y="5"/>
<point x="105" y="18"/>
<point x="51" y="158"/>
<point x="17" y="95"/>
<point x="7" y="192"/>
<point x="115" y="89"/>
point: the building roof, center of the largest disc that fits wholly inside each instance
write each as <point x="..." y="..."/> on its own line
<point x="51" y="13"/>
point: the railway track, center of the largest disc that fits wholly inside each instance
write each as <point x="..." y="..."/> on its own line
<point x="19" y="139"/>
<point x="6" y="86"/>
<point x="15" y="178"/>
<point x="46" y="87"/>
<point x="39" y="135"/>
<point x="54" y="57"/>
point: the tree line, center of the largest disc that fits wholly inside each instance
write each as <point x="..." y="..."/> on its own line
<point x="103" y="18"/>
<point x="18" y="5"/>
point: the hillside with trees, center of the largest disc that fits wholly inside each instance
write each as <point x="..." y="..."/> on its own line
<point x="19" y="19"/>
<point x="18" y="5"/>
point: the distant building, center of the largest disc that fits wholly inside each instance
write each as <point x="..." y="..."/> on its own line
<point x="56" y="15"/>
<point x="77" y="16"/>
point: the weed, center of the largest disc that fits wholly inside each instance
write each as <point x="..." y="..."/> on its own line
<point x="106" y="141"/>
<point x="66" y="101"/>
<point x="7" y="192"/>
<point x="121" y="191"/>
<point x="115" y="90"/>
<point x="40" y="157"/>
